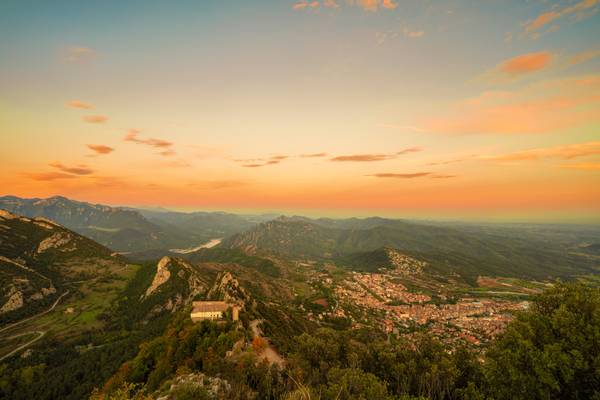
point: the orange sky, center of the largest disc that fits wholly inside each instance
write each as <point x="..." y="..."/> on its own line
<point x="323" y="108"/>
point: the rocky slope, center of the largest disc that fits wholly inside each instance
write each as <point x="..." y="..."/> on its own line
<point x="39" y="257"/>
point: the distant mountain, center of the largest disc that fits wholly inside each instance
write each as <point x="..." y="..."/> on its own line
<point x="39" y="259"/>
<point x="448" y="250"/>
<point x="204" y="226"/>
<point x="130" y="230"/>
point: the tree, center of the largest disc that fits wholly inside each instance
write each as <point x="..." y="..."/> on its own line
<point x="551" y="351"/>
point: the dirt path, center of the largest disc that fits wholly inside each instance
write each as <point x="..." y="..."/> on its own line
<point x="269" y="353"/>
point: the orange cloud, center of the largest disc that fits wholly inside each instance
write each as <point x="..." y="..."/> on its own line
<point x="79" y="104"/>
<point x="374" y="157"/>
<point x="583" y="9"/>
<point x="367" y="5"/>
<point x="374" y="5"/>
<point x="541" y="108"/>
<point x="565" y="152"/>
<point x="75" y="170"/>
<point x="526" y="63"/>
<point x="314" y="155"/>
<point x="100" y="149"/>
<point x="301" y="5"/>
<point x="95" y="119"/>
<point x="400" y="176"/>
<point x="409" y="150"/>
<point x="133" y="136"/>
<point x="363" y="157"/>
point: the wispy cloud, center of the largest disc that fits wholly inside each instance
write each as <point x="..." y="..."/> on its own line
<point x="583" y="9"/>
<point x="301" y="5"/>
<point x="100" y="148"/>
<point x="518" y="67"/>
<point x="409" y="150"/>
<point x="400" y="176"/>
<point x="261" y="162"/>
<point x="452" y="161"/>
<point x="165" y="146"/>
<point x="79" y="104"/>
<point x="367" y="5"/>
<point x="363" y="157"/>
<point x="80" y="169"/>
<point x="565" y="152"/>
<point x="79" y="54"/>
<point x="544" y="107"/>
<point x="374" y="157"/>
<point x="95" y="119"/>
<point x="313" y="155"/>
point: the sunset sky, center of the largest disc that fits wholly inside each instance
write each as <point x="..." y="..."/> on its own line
<point x="425" y="109"/>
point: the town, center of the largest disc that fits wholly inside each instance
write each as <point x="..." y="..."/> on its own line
<point x="382" y="300"/>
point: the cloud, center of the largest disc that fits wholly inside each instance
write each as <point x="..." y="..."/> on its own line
<point x="79" y="104"/>
<point x="580" y="10"/>
<point x="400" y="176"/>
<point x="374" y="157"/>
<point x="518" y="67"/>
<point x="164" y="145"/>
<point x="75" y="170"/>
<point x="526" y="63"/>
<point x="100" y="149"/>
<point x="167" y="153"/>
<point x="79" y="54"/>
<point x="412" y="34"/>
<point x="48" y="176"/>
<point x="374" y="5"/>
<point x="367" y="5"/>
<point x="95" y="119"/>
<point x="582" y="57"/>
<point x="452" y="161"/>
<point x="544" y="107"/>
<point x="565" y="152"/>
<point x="363" y="157"/>
<point x="301" y="5"/>
<point x="253" y="165"/>
<point x="261" y="162"/>
<point x="409" y="150"/>
<point x="313" y="155"/>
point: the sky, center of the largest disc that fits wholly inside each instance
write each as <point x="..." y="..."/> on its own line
<point x="426" y="109"/>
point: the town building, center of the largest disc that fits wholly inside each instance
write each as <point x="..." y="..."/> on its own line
<point x="212" y="310"/>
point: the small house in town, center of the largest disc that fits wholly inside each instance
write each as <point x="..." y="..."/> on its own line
<point x="212" y="310"/>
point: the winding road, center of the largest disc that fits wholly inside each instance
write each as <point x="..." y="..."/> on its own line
<point x="269" y="353"/>
<point x="39" y="333"/>
<point x="23" y="346"/>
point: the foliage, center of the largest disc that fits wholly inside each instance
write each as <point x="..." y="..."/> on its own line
<point x="551" y="351"/>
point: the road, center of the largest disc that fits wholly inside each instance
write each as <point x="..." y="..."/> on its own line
<point x="39" y="333"/>
<point x="269" y="353"/>
<point x="23" y="346"/>
<point x="36" y="315"/>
